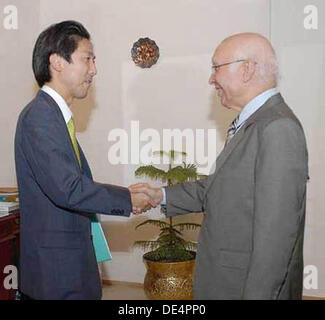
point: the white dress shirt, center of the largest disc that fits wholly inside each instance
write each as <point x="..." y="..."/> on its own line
<point x="67" y="114"/>
<point x="253" y="105"/>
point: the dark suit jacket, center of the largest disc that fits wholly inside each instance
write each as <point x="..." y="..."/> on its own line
<point x="251" y="240"/>
<point x="57" y="259"/>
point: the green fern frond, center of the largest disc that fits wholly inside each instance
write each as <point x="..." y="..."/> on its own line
<point x="160" y="153"/>
<point x="166" y="238"/>
<point x="170" y="239"/>
<point x="192" y="246"/>
<point x="171" y="154"/>
<point x="179" y="174"/>
<point x="202" y="176"/>
<point x="147" y="245"/>
<point x="151" y="172"/>
<point x="169" y="230"/>
<point x="156" y="223"/>
<point x="190" y="166"/>
<point x="187" y="226"/>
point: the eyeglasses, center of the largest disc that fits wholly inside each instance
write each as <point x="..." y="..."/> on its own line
<point x="217" y="67"/>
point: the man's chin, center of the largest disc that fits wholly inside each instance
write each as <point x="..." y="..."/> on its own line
<point x="232" y="107"/>
<point x="224" y="103"/>
<point x="82" y="95"/>
<point x="229" y="106"/>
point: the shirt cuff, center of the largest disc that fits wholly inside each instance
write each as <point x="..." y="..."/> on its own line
<point x="163" y="201"/>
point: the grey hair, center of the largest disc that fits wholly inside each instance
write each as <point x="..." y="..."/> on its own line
<point x="268" y="69"/>
<point x="261" y="52"/>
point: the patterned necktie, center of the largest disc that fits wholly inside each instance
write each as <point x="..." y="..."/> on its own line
<point x="72" y="132"/>
<point x="232" y="129"/>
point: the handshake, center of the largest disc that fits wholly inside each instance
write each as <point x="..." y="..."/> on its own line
<point x="144" y="197"/>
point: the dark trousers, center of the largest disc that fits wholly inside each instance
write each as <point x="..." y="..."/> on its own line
<point x="22" y="296"/>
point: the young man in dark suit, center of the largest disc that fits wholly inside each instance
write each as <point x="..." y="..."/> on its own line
<point x="58" y="197"/>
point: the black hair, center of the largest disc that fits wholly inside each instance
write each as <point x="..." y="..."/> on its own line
<point x="61" y="38"/>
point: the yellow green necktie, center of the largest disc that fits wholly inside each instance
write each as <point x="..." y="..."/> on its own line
<point x="102" y="251"/>
<point x="72" y="132"/>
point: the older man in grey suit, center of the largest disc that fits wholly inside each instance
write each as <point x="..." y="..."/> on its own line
<point x="251" y="241"/>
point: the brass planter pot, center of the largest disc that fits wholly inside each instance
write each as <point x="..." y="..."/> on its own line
<point x="169" y="280"/>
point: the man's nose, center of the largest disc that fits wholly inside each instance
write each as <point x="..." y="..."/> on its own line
<point x="93" y="69"/>
<point x="212" y="79"/>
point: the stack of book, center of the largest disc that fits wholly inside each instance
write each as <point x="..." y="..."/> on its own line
<point x="9" y="194"/>
<point x="9" y="200"/>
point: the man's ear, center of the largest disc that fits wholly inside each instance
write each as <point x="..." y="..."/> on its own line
<point x="249" y="70"/>
<point x="56" y="62"/>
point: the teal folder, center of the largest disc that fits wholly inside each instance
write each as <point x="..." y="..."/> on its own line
<point x="102" y="251"/>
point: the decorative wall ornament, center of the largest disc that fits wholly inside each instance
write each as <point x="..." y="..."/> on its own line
<point x="145" y="53"/>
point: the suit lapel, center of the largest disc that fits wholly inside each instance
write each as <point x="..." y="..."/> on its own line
<point x="226" y="152"/>
<point x="228" y="149"/>
<point x="63" y="126"/>
<point x="231" y="146"/>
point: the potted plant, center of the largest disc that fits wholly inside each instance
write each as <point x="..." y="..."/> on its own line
<point x="170" y="261"/>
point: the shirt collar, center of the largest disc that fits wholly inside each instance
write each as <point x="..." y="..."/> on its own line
<point x="67" y="114"/>
<point x="255" y="104"/>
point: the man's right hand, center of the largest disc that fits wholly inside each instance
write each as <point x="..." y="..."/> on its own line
<point x="144" y="192"/>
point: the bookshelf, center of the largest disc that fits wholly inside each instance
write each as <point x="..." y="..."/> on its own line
<point x="9" y="249"/>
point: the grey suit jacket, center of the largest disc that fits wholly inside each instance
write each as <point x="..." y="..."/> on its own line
<point x="251" y="240"/>
<point x="57" y="259"/>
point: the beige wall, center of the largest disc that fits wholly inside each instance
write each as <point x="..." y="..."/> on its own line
<point x="17" y="84"/>
<point x="172" y="94"/>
